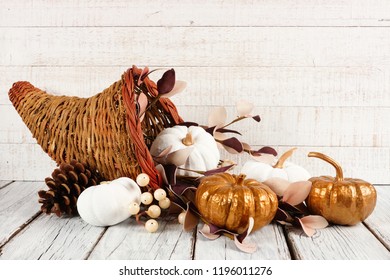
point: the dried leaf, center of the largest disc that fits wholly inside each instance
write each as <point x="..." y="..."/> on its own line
<point x="244" y="108"/>
<point x="244" y="246"/>
<point x="218" y="136"/>
<point x="242" y="236"/>
<point x="142" y="105"/>
<point x="268" y="150"/>
<point x="189" y="194"/>
<point x="214" y="229"/>
<point x="175" y="208"/>
<point x="170" y="171"/>
<point x="177" y="88"/>
<point x="283" y="223"/>
<point x="295" y="210"/>
<point x="179" y="157"/>
<point x="165" y="152"/>
<point x="251" y="225"/>
<point x="297" y="192"/>
<point x="256" y="118"/>
<point x="224" y="130"/>
<point x="205" y="231"/>
<point x="154" y="70"/>
<point x="167" y="82"/>
<point x="211" y="130"/>
<point x="183" y="195"/>
<point x="188" y="124"/>
<point x="278" y="185"/>
<point x="232" y="145"/>
<point x="281" y="215"/>
<point x="263" y="158"/>
<point x="246" y="146"/>
<point x="161" y="171"/>
<point x="301" y="208"/>
<point x="218" y="170"/>
<point x="181" y="186"/>
<point x="217" y="117"/>
<point x="178" y="204"/>
<point x="144" y="73"/>
<point x="308" y="230"/>
<point x="227" y="162"/>
<point x="190" y="220"/>
<point x="314" y="221"/>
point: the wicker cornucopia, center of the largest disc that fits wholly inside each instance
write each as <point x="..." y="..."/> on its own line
<point x="104" y="131"/>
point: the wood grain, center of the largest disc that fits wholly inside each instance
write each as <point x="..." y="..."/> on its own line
<point x="199" y="46"/>
<point x="379" y="222"/>
<point x="264" y="86"/>
<point x="18" y="206"/>
<point x="337" y="243"/>
<point x="317" y="72"/>
<point x="129" y="240"/>
<point x="192" y="13"/>
<point x="347" y="242"/>
<point x="306" y="126"/>
<point x="369" y="164"/>
<point x="271" y="245"/>
<point x="50" y="237"/>
<point x="3" y="184"/>
<point x="21" y="161"/>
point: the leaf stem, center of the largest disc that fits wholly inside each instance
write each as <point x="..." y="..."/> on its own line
<point x="151" y="104"/>
<point x="234" y="121"/>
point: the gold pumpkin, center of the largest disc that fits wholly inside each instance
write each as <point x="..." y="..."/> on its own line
<point x="228" y="201"/>
<point x="343" y="201"/>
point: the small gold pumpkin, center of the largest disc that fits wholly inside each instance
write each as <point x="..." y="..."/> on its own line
<point x="228" y="201"/>
<point x="343" y="201"/>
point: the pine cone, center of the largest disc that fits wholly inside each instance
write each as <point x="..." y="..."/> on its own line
<point x="65" y="186"/>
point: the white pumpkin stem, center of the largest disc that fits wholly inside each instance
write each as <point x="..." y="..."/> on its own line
<point x="188" y="140"/>
<point x="282" y="159"/>
<point x="336" y="165"/>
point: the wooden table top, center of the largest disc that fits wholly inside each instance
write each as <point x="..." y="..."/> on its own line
<point x="26" y="233"/>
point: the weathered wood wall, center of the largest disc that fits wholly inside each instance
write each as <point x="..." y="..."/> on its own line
<point x="318" y="72"/>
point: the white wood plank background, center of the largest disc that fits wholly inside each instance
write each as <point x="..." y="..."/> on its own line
<point x="128" y="240"/>
<point x="270" y="240"/>
<point x="380" y="224"/>
<point x="191" y="13"/>
<point x="16" y="207"/>
<point x="318" y="72"/>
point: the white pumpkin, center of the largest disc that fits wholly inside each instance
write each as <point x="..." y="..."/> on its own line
<point x="262" y="171"/>
<point x="204" y="154"/>
<point x="108" y="204"/>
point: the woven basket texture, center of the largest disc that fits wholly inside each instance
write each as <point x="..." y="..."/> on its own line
<point x="104" y="131"/>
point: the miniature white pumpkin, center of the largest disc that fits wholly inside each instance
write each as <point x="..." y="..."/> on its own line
<point x="108" y="204"/>
<point x="204" y="154"/>
<point x="262" y="171"/>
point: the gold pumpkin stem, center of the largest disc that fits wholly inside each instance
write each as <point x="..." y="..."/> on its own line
<point x="188" y="140"/>
<point x="282" y="159"/>
<point x="240" y="179"/>
<point x="336" y="165"/>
